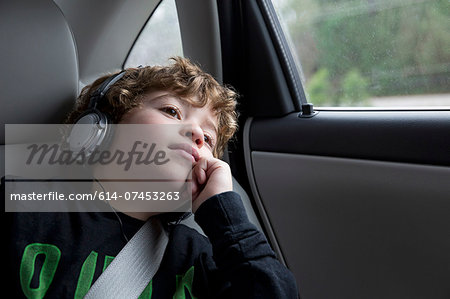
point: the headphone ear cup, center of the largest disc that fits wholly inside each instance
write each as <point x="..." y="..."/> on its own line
<point x="91" y="132"/>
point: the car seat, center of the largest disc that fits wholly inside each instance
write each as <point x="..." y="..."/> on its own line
<point x="39" y="77"/>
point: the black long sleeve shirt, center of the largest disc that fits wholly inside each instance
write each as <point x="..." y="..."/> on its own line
<point x="60" y="255"/>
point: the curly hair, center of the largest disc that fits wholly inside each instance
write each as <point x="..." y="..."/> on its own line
<point x="183" y="78"/>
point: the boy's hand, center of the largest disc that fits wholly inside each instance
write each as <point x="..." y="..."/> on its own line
<point x="210" y="176"/>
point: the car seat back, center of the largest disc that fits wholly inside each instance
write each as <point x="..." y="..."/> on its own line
<point x="39" y="76"/>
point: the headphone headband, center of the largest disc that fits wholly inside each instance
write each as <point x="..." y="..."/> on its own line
<point x="102" y="90"/>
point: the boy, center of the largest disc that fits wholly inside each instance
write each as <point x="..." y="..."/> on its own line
<point x="235" y="261"/>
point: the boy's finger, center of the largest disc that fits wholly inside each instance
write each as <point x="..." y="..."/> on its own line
<point x="194" y="187"/>
<point x="200" y="171"/>
<point x="193" y="181"/>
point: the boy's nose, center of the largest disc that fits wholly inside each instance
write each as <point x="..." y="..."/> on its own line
<point x="195" y="133"/>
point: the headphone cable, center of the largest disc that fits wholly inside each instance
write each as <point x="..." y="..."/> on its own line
<point x="115" y="212"/>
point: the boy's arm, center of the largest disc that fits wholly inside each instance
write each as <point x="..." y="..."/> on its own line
<point x="246" y="265"/>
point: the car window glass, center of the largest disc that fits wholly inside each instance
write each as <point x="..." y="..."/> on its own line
<point x="159" y="40"/>
<point x="370" y="52"/>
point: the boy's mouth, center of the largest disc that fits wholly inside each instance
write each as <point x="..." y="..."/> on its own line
<point x="186" y="150"/>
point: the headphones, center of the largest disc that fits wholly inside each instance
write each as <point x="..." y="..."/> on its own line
<point x="92" y="129"/>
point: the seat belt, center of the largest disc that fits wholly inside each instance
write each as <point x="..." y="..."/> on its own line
<point x="134" y="267"/>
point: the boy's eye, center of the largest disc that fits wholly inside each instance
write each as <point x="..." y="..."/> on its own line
<point x="172" y="112"/>
<point x="208" y="140"/>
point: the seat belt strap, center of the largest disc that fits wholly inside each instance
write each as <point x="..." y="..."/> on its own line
<point x="133" y="268"/>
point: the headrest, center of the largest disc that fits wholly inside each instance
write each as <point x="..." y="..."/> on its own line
<point x="39" y="75"/>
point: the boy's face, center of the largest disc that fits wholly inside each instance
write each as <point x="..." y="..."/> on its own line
<point x="198" y="124"/>
<point x="182" y="132"/>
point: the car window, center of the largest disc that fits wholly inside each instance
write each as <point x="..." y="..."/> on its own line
<point x="159" y="40"/>
<point x="370" y="52"/>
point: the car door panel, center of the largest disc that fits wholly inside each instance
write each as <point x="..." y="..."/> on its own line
<point x="348" y="215"/>
<point x="353" y="201"/>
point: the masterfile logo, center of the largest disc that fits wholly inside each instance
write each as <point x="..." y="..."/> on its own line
<point x="139" y="168"/>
